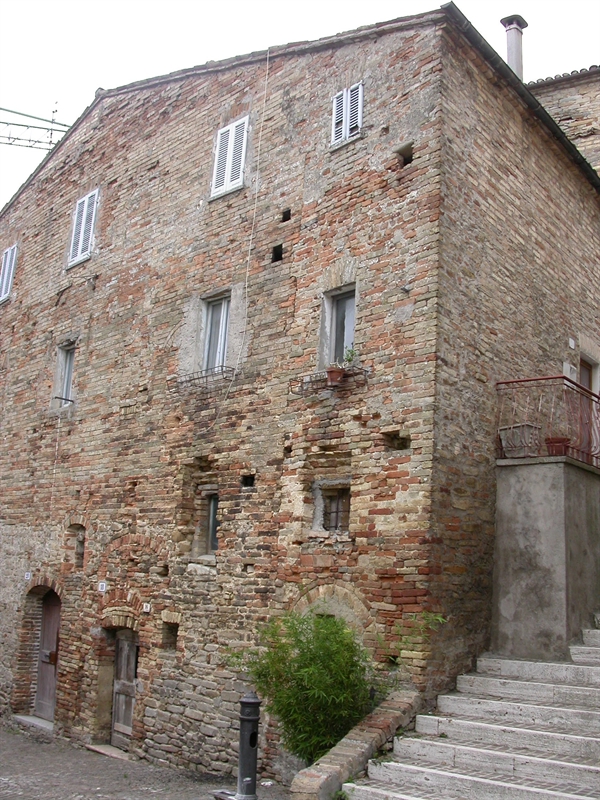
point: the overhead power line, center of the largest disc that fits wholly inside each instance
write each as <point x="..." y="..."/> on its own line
<point x="58" y="128"/>
<point x="40" y="119"/>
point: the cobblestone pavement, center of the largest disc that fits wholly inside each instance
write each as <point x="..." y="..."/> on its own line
<point x="36" y="767"/>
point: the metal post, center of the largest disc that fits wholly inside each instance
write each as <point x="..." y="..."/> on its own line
<point x="249" y="718"/>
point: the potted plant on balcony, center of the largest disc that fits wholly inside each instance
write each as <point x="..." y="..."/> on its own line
<point x="336" y="371"/>
<point x="557" y="445"/>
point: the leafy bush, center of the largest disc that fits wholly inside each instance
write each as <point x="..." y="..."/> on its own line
<point x="316" y="678"/>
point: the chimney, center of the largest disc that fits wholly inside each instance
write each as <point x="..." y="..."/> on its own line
<point x="514" y="42"/>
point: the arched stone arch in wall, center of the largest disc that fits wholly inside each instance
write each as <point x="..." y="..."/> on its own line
<point x="341" y="601"/>
<point x="36" y="671"/>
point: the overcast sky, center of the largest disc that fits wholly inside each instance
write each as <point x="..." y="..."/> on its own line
<point x="55" y="53"/>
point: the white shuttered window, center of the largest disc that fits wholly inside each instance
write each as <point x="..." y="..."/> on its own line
<point x="346" y="118"/>
<point x="84" y="218"/>
<point x="9" y="258"/>
<point x="228" y="173"/>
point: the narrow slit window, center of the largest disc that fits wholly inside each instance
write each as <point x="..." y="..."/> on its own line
<point x="212" y="522"/>
<point x="342" y="330"/>
<point x="215" y="351"/>
<point x="63" y="395"/>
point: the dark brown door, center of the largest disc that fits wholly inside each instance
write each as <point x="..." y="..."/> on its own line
<point x="45" y="696"/>
<point x="124" y="688"/>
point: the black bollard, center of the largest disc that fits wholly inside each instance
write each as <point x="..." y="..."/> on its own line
<point x="249" y="717"/>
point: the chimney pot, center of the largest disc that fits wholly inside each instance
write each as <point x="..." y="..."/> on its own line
<point x="514" y="25"/>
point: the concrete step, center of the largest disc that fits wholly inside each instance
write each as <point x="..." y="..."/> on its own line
<point x="540" y="671"/>
<point x="591" y="637"/>
<point x="375" y="790"/>
<point x="475" y="785"/>
<point x="527" y="763"/>
<point x="557" y="743"/>
<point x="585" y="655"/>
<point x="570" y="718"/>
<point x="529" y="691"/>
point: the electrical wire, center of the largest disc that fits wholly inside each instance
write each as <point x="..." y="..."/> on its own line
<point x="250" y="245"/>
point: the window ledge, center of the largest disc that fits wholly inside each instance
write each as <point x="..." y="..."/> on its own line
<point x="225" y="192"/>
<point x="77" y="261"/>
<point x="352" y="378"/>
<point x="5" y="300"/>
<point x="338" y="145"/>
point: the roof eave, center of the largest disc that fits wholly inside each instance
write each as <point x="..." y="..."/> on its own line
<point x="499" y="64"/>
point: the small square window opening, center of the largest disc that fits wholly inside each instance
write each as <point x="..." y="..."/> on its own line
<point x="248" y="480"/>
<point x="277" y="253"/>
<point x="286" y="215"/>
<point x="170" y="632"/>
<point x="336" y="509"/>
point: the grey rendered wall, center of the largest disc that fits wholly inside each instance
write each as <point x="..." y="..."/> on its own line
<point x="547" y="556"/>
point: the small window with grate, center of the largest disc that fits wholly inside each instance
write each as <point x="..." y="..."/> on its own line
<point x="336" y="508"/>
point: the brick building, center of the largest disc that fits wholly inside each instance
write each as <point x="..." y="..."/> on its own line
<point x="177" y="464"/>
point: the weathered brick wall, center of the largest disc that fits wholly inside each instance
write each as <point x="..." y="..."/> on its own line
<point x="124" y="460"/>
<point x="574" y="102"/>
<point x="519" y="256"/>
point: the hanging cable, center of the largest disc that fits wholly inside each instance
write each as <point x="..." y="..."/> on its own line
<point x="250" y="245"/>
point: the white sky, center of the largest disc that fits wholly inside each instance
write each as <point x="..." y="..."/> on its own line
<point x="56" y="53"/>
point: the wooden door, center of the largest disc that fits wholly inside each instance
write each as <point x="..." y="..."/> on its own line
<point x="126" y="654"/>
<point x="45" y="696"/>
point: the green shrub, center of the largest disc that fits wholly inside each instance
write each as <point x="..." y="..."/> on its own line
<point x="315" y="676"/>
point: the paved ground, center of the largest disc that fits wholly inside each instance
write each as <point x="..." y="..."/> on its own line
<point x="34" y="767"/>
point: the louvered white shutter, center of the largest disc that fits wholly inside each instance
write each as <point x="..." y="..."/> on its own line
<point x="220" y="172"/>
<point x="83" y="227"/>
<point x="228" y="173"/>
<point x="238" y="154"/>
<point x="88" y="225"/>
<point x="337" y="118"/>
<point x="8" y="268"/>
<point x="79" y="212"/>
<point x="355" y="107"/>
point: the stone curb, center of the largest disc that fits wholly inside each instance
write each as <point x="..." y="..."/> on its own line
<point x="349" y="757"/>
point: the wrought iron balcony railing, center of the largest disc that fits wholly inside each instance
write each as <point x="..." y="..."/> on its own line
<point x="552" y="416"/>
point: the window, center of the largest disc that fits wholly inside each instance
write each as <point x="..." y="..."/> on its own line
<point x="228" y="173"/>
<point x="8" y="270"/>
<point x="215" y="349"/>
<point x="336" y="509"/>
<point x="64" y="382"/>
<point x="82" y="239"/>
<point x="346" y="120"/>
<point x="343" y="311"/>
<point x="212" y="523"/>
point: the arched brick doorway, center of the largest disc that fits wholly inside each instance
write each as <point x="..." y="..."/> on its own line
<point x="37" y="661"/>
<point x="45" y="695"/>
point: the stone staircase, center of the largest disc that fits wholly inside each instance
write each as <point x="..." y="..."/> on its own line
<point x="512" y="730"/>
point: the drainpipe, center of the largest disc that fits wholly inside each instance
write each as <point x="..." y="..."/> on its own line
<point x="514" y="42"/>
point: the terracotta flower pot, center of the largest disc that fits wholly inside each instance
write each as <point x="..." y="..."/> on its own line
<point x="335" y="375"/>
<point x="557" y="445"/>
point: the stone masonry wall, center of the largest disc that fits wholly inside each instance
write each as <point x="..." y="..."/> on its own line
<point x="574" y="102"/>
<point x="126" y="467"/>
<point x="519" y="278"/>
